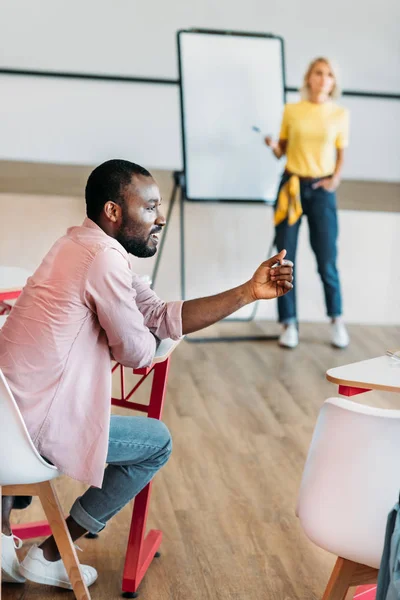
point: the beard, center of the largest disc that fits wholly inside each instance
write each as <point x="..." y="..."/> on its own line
<point x="135" y="244"/>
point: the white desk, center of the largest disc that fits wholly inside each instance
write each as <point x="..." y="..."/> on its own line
<point x="382" y="373"/>
<point x="165" y="349"/>
<point x="12" y="280"/>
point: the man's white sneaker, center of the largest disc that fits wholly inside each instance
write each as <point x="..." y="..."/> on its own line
<point x="340" y="337"/>
<point x="36" y="568"/>
<point x="289" y="337"/>
<point x="9" y="559"/>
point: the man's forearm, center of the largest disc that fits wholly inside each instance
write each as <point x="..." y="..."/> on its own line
<point x="202" y="312"/>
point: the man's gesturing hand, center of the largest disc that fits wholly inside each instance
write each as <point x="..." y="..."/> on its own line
<point x="272" y="279"/>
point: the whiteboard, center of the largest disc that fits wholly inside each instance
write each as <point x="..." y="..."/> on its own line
<point x="230" y="83"/>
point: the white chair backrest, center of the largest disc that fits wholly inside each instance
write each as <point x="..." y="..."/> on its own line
<point x="20" y="462"/>
<point x="351" y="479"/>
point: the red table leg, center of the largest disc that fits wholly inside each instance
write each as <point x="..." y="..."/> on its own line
<point x="141" y="550"/>
<point x="346" y="390"/>
<point x="9" y="295"/>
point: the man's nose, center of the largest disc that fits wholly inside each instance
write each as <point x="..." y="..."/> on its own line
<point x="161" y="220"/>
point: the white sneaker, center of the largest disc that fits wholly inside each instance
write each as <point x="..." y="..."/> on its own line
<point x="36" y="568"/>
<point x="340" y="337"/>
<point x="9" y="559"/>
<point x="289" y="337"/>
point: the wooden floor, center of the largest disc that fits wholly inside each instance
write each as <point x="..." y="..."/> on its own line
<point x="242" y="417"/>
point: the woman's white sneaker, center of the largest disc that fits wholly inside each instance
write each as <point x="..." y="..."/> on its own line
<point x="340" y="337"/>
<point x="36" y="568"/>
<point x="289" y="337"/>
<point x="9" y="559"/>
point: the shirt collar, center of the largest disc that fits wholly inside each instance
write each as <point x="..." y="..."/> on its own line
<point x="112" y="241"/>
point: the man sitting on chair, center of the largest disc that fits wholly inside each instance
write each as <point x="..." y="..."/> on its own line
<point x="83" y="307"/>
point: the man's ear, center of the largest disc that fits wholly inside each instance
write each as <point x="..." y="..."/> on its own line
<point x="112" y="211"/>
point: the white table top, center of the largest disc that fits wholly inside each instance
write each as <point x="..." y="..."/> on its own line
<point x="13" y="278"/>
<point x="382" y="373"/>
<point x="164" y="350"/>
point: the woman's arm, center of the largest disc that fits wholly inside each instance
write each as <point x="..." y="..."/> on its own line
<point x="339" y="165"/>
<point x="278" y="148"/>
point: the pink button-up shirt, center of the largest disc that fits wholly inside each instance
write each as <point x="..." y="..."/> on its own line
<point x="81" y="308"/>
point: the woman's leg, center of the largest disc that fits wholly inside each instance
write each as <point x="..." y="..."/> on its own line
<point x="286" y="238"/>
<point x="323" y="225"/>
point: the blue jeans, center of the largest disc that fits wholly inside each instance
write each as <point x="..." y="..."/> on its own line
<point x="319" y="206"/>
<point x="138" y="447"/>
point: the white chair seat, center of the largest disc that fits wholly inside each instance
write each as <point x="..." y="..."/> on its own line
<point x="24" y="472"/>
<point x="351" y="480"/>
<point x="20" y="462"/>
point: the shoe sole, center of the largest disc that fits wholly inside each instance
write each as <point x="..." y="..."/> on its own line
<point x="32" y="576"/>
<point x="8" y="574"/>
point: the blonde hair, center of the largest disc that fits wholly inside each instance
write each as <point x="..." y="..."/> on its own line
<point x="305" y="89"/>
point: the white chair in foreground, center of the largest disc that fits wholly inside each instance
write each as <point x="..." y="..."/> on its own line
<point x="23" y="472"/>
<point x="350" y="483"/>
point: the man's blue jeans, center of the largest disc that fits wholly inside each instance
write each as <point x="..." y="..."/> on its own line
<point x="138" y="447"/>
<point x="319" y="206"/>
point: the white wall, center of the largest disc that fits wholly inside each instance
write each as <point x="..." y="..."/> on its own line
<point x="138" y="38"/>
<point x="84" y="122"/>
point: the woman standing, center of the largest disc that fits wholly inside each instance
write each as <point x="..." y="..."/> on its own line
<point x="313" y="136"/>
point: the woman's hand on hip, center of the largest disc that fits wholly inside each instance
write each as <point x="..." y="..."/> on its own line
<point x="330" y="184"/>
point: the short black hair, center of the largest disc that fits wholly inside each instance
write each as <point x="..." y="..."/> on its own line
<point x="107" y="182"/>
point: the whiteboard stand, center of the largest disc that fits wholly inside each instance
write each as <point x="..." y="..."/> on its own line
<point x="179" y="187"/>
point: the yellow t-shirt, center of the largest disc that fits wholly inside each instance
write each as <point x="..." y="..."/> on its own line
<point x="313" y="133"/>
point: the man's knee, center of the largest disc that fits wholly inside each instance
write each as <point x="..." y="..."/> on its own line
<point x="161" y="438"/>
